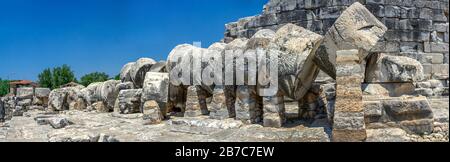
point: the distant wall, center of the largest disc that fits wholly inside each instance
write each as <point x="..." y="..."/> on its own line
<point x="417" y="28"/>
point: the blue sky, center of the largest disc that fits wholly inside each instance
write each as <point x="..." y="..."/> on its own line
<point x="103" y="35"/>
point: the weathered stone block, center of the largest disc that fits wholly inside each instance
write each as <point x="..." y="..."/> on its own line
<point x="436" y="47"/>
<point x="392" y="23"/>
<point x="156" y="88"/>
<point x="388" y="89"/>
<point x="42" y="92"/>
<point x="441" y="27"/>
<point x="408" y="108"/>
<point x="391" y="11"/>
<point x="376" y="9"/>
<point x="79" y="104"/>
<point x="427" y="92"/>
<point x="348" y="105"/>
<point x="139" y="70"/>
<point x="440" y="71"/>
<point x="152" y="113"/>
<point x="424" y="126"/>
<point x="349" y="127"/>
<point x="411" y="46"/>
<point x="25" y="92"/>
<point x="384" y="68"/>
<point x="432" y="58"/>
<point x="343" y="92"/>
<point x="439" y="15"/>
<point x="392" y="46"/>
<point x="426" y="13"/>
<point x="273" y="120"/>
<point x="130" y="101"/>
<point x="60" y="99"/>
<point x="193" y="107"/>
<point x="246" y="106"/>
<point x="218" y="109"/>
<point x="373" y="110"/>
<point x="100" y="107"/>
<point x="355" y="23"/>
<point x="274" y="111"/>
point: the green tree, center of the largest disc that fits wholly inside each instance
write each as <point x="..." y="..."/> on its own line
<point x="57" y="77"/>
<point x="45" y="78"/>
<point x="4" y="87"/>
<point x="93" y="77"/>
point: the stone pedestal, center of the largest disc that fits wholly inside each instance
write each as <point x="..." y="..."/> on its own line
<point x="218" y="109"/>
<point x="202" y="95"/>
<point x="246" y="105"/>
<point x="156" y="88"/>
<point x="348" y="122"/>
<point x="129" y="101"/>
<point x="193" y="107"/>
<point x="308" y="106"/>
<point x="230" y="99"/>
<point x="152" y="113"/>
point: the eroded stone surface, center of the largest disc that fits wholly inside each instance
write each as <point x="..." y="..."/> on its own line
<point x="387" y="69"/>
<point x="92" y="127"/>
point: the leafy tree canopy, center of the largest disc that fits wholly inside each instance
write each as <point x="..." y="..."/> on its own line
<point x="57" y="77"/>
<point x="4" y="87"/>
<point x="93" y="77"/>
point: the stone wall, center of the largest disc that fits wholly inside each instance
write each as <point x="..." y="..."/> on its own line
<point x="418" y="29"/>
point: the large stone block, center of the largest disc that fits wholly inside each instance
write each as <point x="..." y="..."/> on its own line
<point x="356" y="28"/>
<point x="389" y="89"/>
<point x="423" y="126"/>
<point x="436" y="47"/>
<point x="125" y="75"/>
<point x="60" y="99"/>
<point x="246" y="105"/>
<point x="274" y="111"/>
<point x="385" y="69"/>
<point x="129" y="101"/>
<point x="107" y="93"/>
<point x="297" y="70"/>
<point x="101" y="107"/>
<point x="218" y="109"/>
<point x="349" y="127"/>
<point x="42" y="92"/>
<point x="440" y="71"/>
<point x="156" y="88"/>
<point x="2" y="111"/>
<point x="26" y="92"/>
<point x="139" y="69"/>
<point x="413" y="108"/>
<point x="152" y="113"/>
<point x="193" y="107"/>
<point x="373" y="111"/>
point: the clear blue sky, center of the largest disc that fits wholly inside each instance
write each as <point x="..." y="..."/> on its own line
<point x="103" y="35"/>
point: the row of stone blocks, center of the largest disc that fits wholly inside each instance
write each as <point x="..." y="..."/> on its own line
<point x="413" y="114"/>
<point x="415" y="26"/>
<point x="246" y="106"/>
<point x="25" y="99"/>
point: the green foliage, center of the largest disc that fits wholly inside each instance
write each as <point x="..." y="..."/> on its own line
<point x="93" y="77"/>
<point x="57" y="77"/>
<point x="4" y="87"/>
<point x="46" y="78"/>
<point x="117" y="77"/>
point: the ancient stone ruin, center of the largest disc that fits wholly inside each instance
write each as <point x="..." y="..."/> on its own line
<point x="358" y="70"/>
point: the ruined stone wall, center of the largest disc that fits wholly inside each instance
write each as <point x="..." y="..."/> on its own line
<point x="417" y="28"/>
